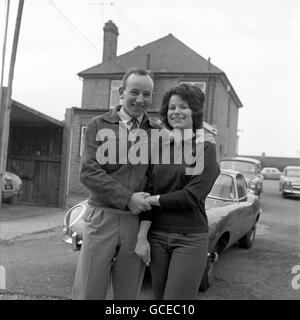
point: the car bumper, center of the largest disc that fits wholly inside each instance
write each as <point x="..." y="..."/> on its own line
<point x="72" y="239"/>
<point x="291" y="191"/>
<point x="8" y="194"/>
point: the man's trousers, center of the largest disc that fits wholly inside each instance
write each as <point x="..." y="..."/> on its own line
<point x="107" y="253"/>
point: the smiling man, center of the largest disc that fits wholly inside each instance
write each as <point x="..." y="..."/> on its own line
<point x="116" y="198"/>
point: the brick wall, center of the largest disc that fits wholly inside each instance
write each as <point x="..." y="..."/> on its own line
<point x="95" y="93"/>
<point x="160" y="87"/>
<point x="227" y="130"/>
<point x="76" y="190"/>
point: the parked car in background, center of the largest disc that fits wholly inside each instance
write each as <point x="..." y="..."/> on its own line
<point x="11" y="187"/>
<point x="271" y="173"/>
<point x="289" y="183"/>
<point x="251" y="169"/>
<point x="232" y="213"/>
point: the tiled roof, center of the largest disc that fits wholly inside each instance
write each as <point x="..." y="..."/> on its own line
<point x="167" y="54"/>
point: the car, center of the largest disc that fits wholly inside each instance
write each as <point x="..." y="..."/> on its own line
<point x="271" y="173"/>
<point x="73" y="225"/>
<point x="12" y="187"/>
<point x="251" y="169"/>
<point x="232" y="211"/>
<point x="289" y="182"/>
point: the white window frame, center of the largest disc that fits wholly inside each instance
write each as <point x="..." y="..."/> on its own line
<point x="81" y="141"/>
<point x="114" y="90"/>
<point x="200" y="84"/>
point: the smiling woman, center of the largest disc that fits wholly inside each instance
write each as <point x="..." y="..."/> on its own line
<point x="177" y="245"/>
<point x="179" y="113"/>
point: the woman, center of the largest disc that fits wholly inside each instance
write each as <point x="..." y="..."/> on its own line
<point x="178" y="236"/>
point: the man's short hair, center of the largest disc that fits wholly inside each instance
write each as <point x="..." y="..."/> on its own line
<point x="138" y="71"/>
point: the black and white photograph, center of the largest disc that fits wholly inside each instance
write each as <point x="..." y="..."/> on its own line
<point x="150" y="150"/>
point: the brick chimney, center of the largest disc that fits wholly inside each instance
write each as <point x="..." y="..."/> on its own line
<point x="110" y="40"/>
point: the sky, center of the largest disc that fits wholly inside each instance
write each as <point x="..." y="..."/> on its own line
<point x="255" y="42"/>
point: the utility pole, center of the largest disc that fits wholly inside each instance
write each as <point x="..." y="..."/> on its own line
<point x="4" y="46"/>
<point x="3" y="62"/>
<point x="5" y="102"/>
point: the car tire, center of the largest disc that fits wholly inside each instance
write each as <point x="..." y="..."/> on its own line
<point x="248" y="239"/>
<point x="209" y="272"/>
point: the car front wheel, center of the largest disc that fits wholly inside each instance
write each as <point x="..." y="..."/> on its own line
<point x="247" y="240"/>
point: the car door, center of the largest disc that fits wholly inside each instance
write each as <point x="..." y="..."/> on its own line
<point x="245" y="209"/>
<point x="232" y="215"/>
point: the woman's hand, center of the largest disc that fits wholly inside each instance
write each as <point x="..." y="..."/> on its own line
<point x="153" y="200"/>
<point x="142" y="249"/>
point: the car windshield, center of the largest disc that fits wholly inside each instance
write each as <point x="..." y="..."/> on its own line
<point x="293" y="172"/>
<point x="242" y="166"/>
<point x="223" y="187"/>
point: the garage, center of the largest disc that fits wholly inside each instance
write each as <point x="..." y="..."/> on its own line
<point x="35" y="155"/>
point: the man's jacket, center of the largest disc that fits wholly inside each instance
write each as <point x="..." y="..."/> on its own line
<point x="111" y="184"/>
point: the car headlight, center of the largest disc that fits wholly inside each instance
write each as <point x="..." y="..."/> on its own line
<point x="287" y="184"/>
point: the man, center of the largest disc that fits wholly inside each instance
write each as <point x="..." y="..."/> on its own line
<point x="111" y="220"/>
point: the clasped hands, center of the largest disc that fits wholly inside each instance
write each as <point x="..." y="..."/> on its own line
<point x="141" y="201"/>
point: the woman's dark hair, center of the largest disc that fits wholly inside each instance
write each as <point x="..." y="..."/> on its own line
<point x="195" y="98"/>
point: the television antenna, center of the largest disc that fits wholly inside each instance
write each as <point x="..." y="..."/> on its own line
<point x="102" y="4"/>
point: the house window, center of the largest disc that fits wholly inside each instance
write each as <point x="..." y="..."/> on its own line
<point x="114" y="93"/>
<point x="201" y="85"/>
<point x="82" y="137"/>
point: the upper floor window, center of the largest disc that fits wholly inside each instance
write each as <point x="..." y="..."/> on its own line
<point x="201" y="85"/>
<point x="114" y="93"/>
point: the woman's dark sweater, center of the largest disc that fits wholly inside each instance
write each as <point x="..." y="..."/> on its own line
<point x="182" y="196"/>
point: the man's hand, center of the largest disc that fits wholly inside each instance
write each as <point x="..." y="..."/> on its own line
<point x="138" y="203"/>
<point x="142" y="249"/>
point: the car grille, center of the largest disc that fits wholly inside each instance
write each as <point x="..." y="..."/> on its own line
<point x="8" y="184"/>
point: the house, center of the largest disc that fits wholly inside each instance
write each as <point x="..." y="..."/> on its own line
<point x="171" y="62"/>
